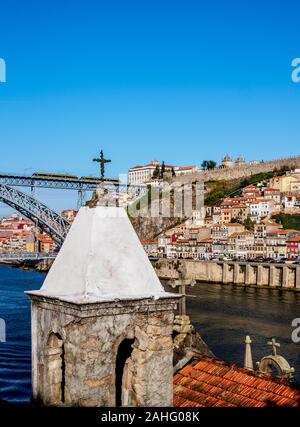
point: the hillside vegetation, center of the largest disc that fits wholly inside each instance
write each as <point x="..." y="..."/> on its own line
<point x="219" y="189"/>
<point x="288" y="221"/>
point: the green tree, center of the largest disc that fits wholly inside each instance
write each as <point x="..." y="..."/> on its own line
<point x="249" y="224"/>
<point x="156" y="172"/>
<point x="245" y="183"/>
<point x="211" y="164"/>
<point x="208" y="164"/>
<point x="288" y="221"/>
<point x="163" y="170"/>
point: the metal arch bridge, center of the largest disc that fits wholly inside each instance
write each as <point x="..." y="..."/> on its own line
<point x="48" y="220"/>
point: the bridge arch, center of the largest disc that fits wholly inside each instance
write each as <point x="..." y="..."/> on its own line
<point x="48" y="220"/>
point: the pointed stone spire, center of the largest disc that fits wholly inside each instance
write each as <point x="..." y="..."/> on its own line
<point x="102" y="259"/>
<point x="102" y="323"/>
<point x="248" y="361"/>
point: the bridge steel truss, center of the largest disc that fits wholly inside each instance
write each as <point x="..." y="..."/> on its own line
<point x="81" y="185"/>
<point x="48" y="220"/>
<point x="78" y="184"/>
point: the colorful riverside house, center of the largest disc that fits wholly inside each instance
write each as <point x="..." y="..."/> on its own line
<point x="150" y="246"/>
<point x="242" y="244"/>
<point x="293" y="247"/>
<point x="30" y="243"/>
<point x="45" y="243"/>
<point x="204" y="249"/>
<point x="276" y="242"/>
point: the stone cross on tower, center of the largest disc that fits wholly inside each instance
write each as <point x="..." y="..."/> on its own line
<point x="102" y="162"/>
<point x="102" y="323"/>
<point x="274" y="344"/>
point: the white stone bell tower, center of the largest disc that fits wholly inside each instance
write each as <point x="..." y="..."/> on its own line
<point x="102" y="323"/>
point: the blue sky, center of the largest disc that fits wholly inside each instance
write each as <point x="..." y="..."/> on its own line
<point x="180" y="81"/>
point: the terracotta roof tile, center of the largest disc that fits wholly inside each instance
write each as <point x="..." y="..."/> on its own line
<point x="210" y="382"/>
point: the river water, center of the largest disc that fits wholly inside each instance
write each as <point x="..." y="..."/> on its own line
<point x="222" y="314"/>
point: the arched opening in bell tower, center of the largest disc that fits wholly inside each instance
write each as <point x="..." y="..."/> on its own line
<point x="124" y="372"/>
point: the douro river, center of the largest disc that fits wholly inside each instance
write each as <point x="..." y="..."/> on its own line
<point x="222" y="314"/>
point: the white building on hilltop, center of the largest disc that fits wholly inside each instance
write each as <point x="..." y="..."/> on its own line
<point x="143" y="174"/>
<point x="227" y="162"/>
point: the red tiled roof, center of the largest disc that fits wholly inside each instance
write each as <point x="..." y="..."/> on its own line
<point x="294" y="239"/>
<point x="205" y="241"/>
<point x="270" y="222"/>
<point x="44" y="239"/>
<point x="210" y="382"/>
<point x="271" y="190"/>
<point x="152" y="165"/>
<point x="149" y="242"/>
<point x="239" y="207"/>
<point x="282" y="231"/>
<point x="6" y="234"/>
<point x="241" y="233"/>
<point x="184" y="167"/>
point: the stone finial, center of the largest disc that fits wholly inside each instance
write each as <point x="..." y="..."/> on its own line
<point x="274" y="344"/>
<point x="104" y="196"/>
<point x="276" y="362"/>
<point x="248" y="361"/>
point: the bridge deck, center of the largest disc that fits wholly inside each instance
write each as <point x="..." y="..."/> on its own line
<point x="23" y="256"/>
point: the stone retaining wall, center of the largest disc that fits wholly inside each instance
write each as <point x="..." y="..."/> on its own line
<point x="285" y="276"/>
<point x="240" y="172"/>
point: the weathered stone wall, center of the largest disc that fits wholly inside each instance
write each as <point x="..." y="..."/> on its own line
<point x="187" y="342"/>
<point x="285" y="276"/>
<point x="240" y="172"/>
<point x="90" y="338"/>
